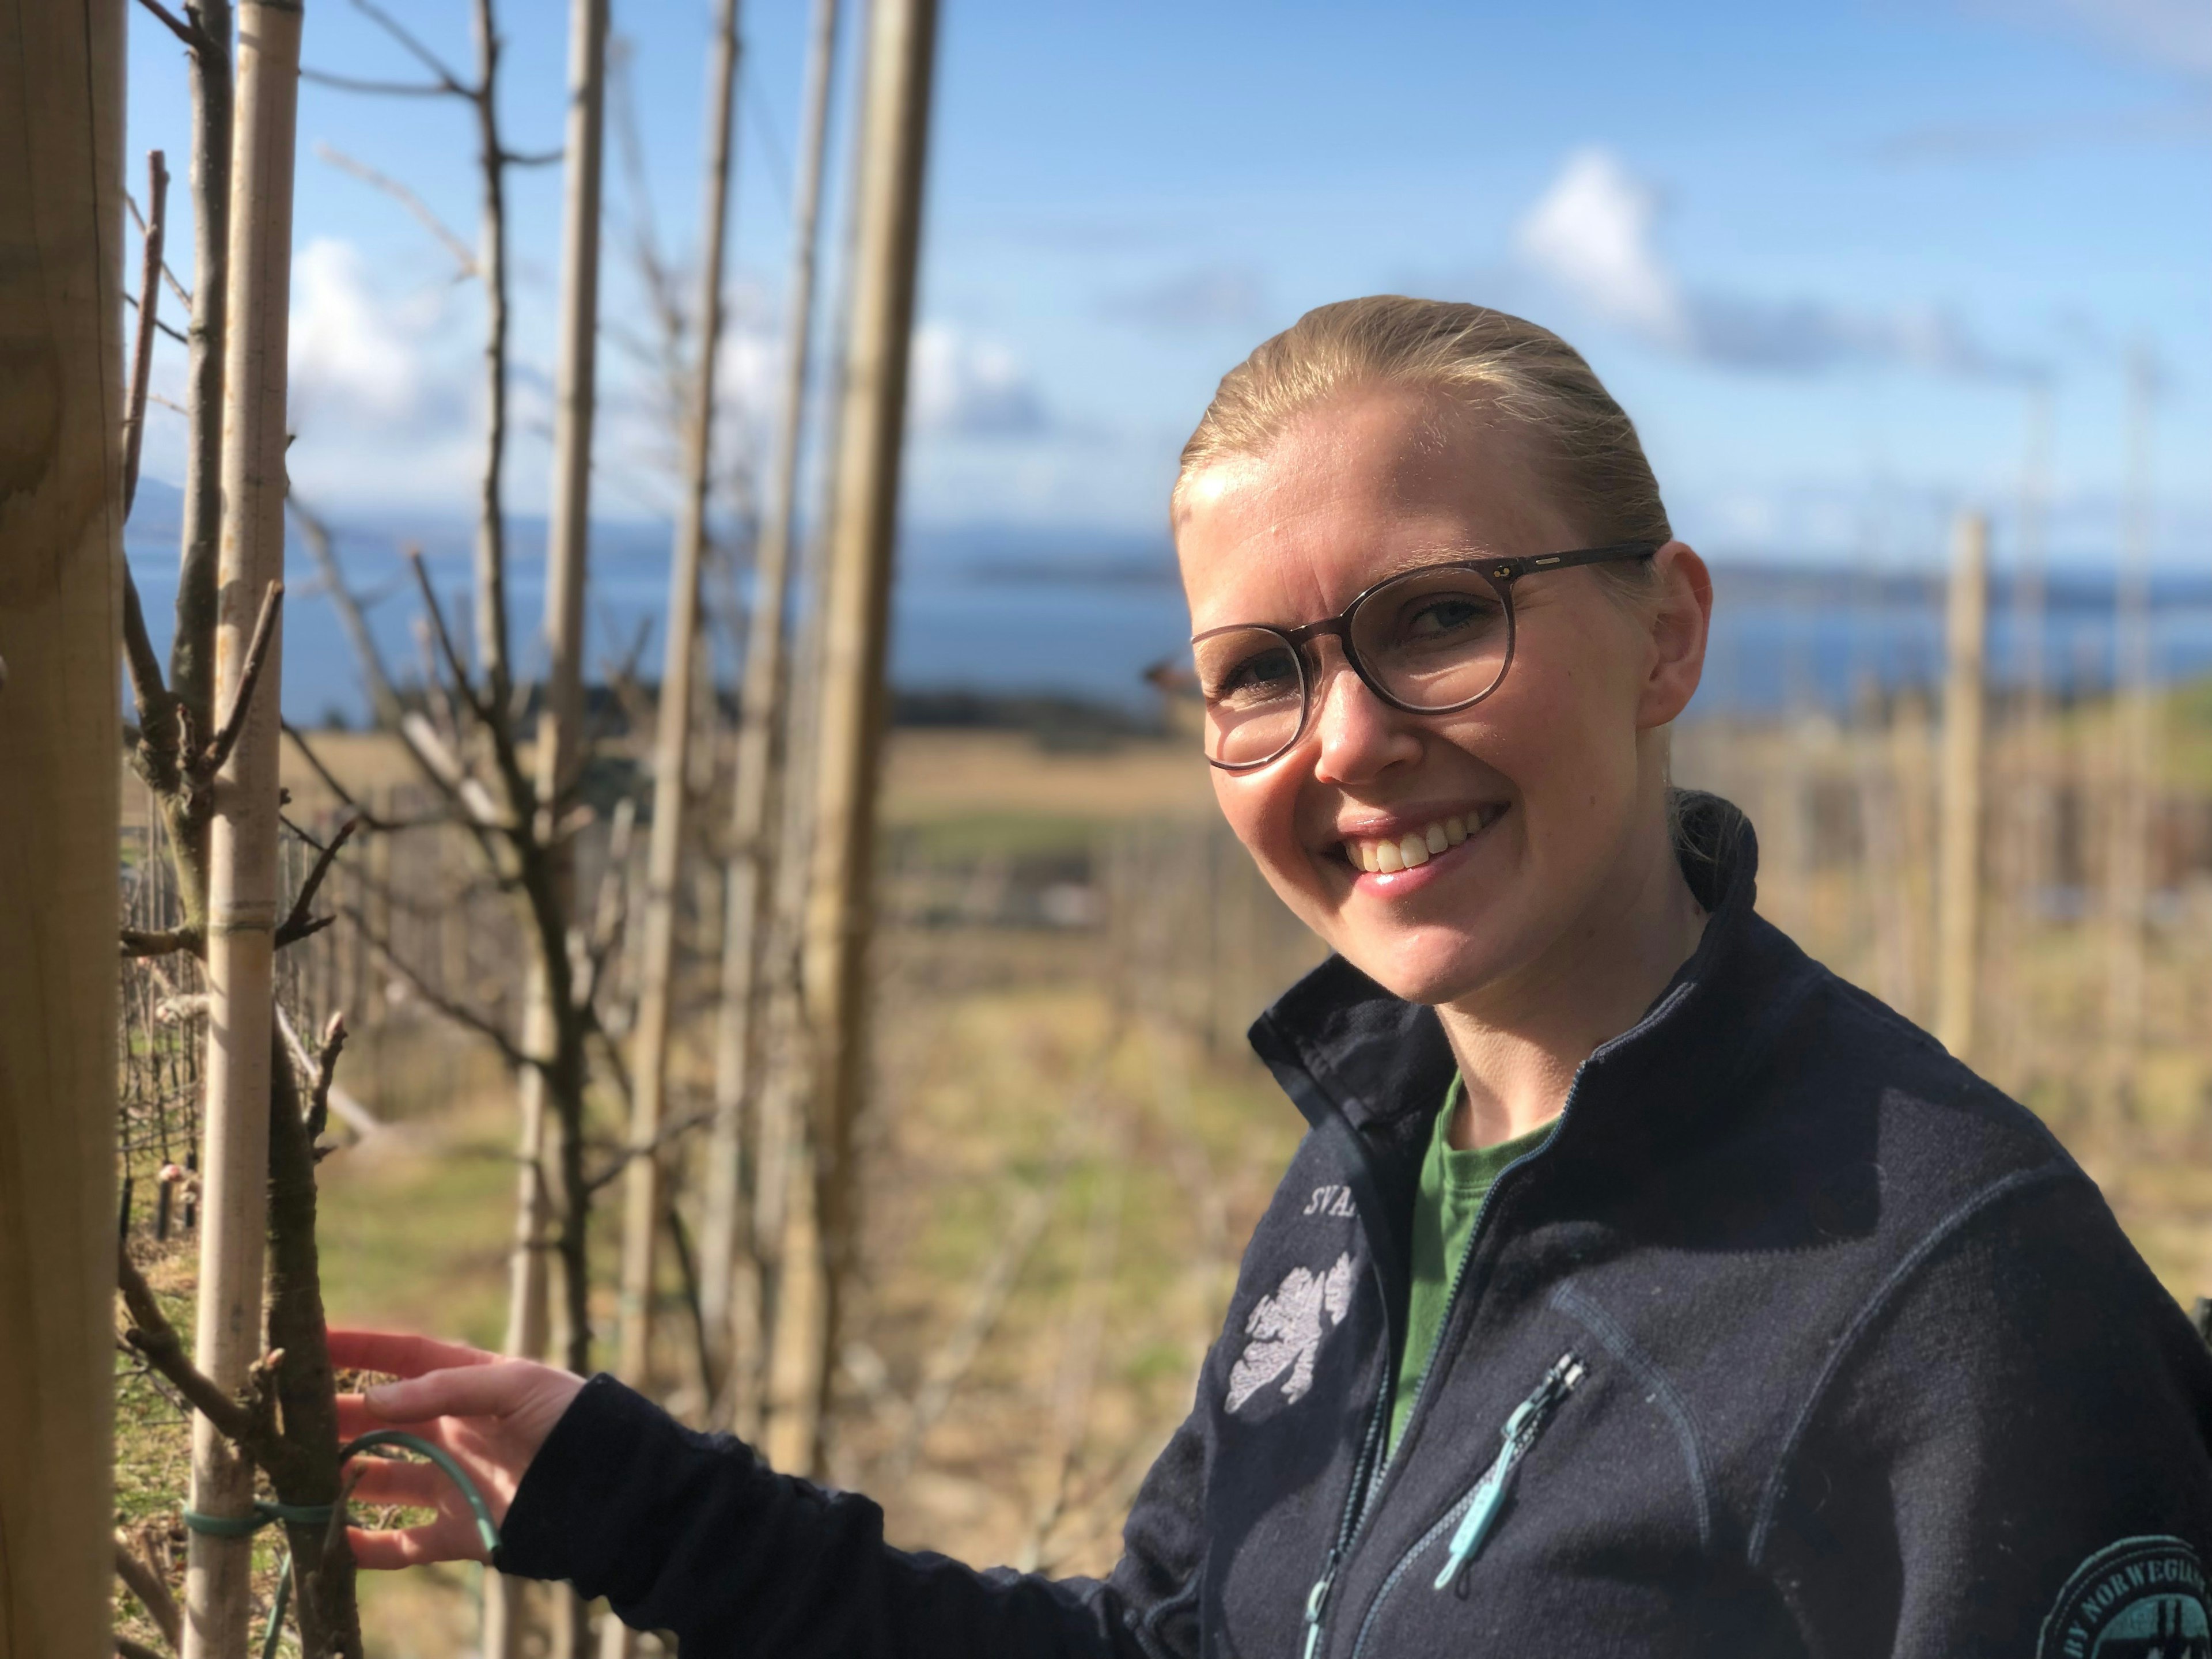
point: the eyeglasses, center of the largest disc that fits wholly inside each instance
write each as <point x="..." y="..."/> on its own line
<point x="1431" y="640"/>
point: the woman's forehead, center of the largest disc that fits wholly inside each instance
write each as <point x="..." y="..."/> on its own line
<point x="1330" y="512"/>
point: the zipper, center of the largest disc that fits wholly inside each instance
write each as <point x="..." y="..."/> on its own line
<point x="1484" y="1499"/>
<point x="1470" y="1520"/>
<point x="1368" y="1475"/>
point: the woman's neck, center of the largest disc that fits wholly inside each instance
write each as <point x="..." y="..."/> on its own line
<point x="1519" y="1044"/>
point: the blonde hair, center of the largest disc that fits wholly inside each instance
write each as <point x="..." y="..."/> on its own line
<point x="1581" y="440"/>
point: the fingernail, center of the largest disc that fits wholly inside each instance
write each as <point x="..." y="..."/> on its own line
<point x="380" y="1396"/>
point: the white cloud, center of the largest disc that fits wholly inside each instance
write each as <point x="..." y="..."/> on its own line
<point x="2169" y="34"/>
<point x="1594" y="235"/>
<point x="359" y="356"/>
<point x="965" y="387"/>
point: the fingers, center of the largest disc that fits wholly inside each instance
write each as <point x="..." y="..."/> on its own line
<point x="487" y="1388"/>
<point x="415" y="1547"/>
<point x="356" y="1419"/>
<point x="401" y="1353"/>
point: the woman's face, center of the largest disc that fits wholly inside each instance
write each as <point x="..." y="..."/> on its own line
<point x="1551" y="781"/>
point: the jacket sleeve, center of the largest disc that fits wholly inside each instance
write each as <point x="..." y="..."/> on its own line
<point x="693" y="1533"/>
<point x="2008" y="1456"/>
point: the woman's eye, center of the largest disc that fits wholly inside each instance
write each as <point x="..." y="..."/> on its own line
<point x="1266" y="674"/>
<point x="1444" y="614"/>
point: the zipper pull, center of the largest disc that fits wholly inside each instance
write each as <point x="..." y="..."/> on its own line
<point x="1519" y="1433"/>
<point x="1317" y="1603"/>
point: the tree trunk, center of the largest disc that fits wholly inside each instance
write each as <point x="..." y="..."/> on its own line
<point x="61" y="521"/>
<point x="643" y="1188"/>
<point x="888" y="203"/>
<point x="729" y="1293"/>
<point x="242" y="843"/>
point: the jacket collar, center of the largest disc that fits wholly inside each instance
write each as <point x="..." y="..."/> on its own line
<point x="1340" y="1044"/>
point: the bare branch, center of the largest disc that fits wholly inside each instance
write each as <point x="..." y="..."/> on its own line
<point x="445" y="647"/>
<point x="415" y="49"/>
<point x="459" y="1014"/>
<point x="257" y="654"/>
<point x="146" y="1582"/>
<point x="157" y="734"/>
<point x="149" y="307"/>
<point x="462" y="256"/>
<point x="531" y="158"/>
<point x="161" y="942"/>
<point x="180" y="337"/>
<point x="297" y="925"/>
<point x="382" y="88"/>
<point x="317" y="535"/>
<point x="150" y="1333"/>
<point x="176" y="287"/>
<point x="185" y="32"/>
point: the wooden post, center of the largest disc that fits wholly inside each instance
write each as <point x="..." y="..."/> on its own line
<point x="864" y="515"/>
<point x="242" y="896"/>
<point x="1958" y="870"/>
<point x="732" y="1318"/>
<point x="61" y="560"/>
<point x="643" y="1184"/>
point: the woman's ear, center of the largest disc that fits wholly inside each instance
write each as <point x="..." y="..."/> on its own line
<point x="1680" y="615"/>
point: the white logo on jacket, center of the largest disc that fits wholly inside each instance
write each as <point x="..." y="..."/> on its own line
<point x="1285" y="1332"/>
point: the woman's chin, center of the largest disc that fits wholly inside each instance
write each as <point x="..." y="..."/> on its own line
<point x="1430" y="972"/>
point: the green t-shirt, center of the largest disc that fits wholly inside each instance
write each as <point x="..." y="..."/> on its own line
<point x="1453" y="1186"/>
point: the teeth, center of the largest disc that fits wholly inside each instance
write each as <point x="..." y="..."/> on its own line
<point x="1411" y="852"/>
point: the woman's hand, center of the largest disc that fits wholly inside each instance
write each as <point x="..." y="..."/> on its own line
<point x="491" y="1414"/>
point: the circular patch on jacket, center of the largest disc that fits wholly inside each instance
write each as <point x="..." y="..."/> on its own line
<point x="2133" y="1600"/>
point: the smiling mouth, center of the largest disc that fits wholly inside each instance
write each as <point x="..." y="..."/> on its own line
<point x="1388" y="855"/>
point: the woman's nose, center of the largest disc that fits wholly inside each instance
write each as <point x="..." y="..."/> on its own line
<point x="1360" y="735"/>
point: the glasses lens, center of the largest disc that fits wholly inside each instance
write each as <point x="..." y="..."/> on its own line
<point x="1255" y="690"/>
<point x="1434" y="639"/>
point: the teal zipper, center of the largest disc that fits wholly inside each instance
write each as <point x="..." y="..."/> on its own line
<point x="1367" y="1475"/>
<point x="1469" y="1520"/>
<point x="1519" y="1433"/>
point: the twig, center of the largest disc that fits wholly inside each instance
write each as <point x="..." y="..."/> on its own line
<point x="176" y="286"/>
<point x="509" y="1048"/>
<point x="407" y="199"/>
<point x="421" y="53"/>
<point x="151" y="1334"/>
<point x="384" y="89"/>
<point x="187" y="33"/>
<point x="444" y="636"/>
<point x="531" y="158"/>
<point x="157" y="747"/>
<point x="149" y="306"/>
<point x="325" y="1073"/>
<point x="257" y="654"/>
<point x="176" y="334"/>
<point x="161" y="942"/>
<point x="298" y="926"/>
<point x="146" y="1583"/>
<point x="670" y="1134"/>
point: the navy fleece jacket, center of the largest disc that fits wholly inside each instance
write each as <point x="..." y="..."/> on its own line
<point x="1795" y="1339"/>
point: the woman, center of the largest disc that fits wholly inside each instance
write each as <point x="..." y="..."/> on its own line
<point x="1642" y="1288"/>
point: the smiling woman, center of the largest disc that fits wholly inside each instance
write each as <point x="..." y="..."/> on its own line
<point x="1642" y="1288"/>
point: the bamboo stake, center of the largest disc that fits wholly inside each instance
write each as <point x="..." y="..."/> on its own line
<point x="731" y="1311"/>
<point x="857" y="612"/>
<point x="61" y="553"/>
<point x="559" y="738"/>
<point x="567" y="551"/>
<point x="642" y="1188"/>
<point x="243" y="901"/>
<point x="1959" y="873"/>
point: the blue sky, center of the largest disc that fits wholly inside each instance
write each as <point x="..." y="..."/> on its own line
<point x="1822" y="255"/>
